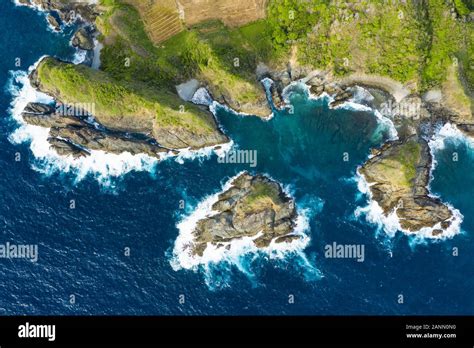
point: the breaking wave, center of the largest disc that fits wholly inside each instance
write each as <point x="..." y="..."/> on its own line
<point x="449" y="132"/>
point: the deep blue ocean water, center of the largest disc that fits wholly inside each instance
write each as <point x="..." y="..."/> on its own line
<point x="81" y="250"/>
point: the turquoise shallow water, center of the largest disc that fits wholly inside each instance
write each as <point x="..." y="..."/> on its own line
<point x="81" y="250"/>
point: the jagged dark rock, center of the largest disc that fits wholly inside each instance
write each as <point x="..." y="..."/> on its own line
<point x="65" y="148"/>
<point x="67" y="10"/>
<point x="341" y="97"/>
<point x="467" y="129"/>
<point x="94" y="139"/>
<point x="39" y="108"/>
<point x="53" y="22"/>
<point x="72" y="135"/>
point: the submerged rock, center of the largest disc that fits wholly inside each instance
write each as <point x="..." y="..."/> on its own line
<point x="254" y="206"/>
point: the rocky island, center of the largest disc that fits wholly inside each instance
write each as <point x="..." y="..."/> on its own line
<point x="254" y="206"/>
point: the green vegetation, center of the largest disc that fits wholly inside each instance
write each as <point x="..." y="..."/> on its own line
<point x="133" y="104"/>
<point x="466" y="57"/>
<point x="370" y="36"/>
<point x="409" y="41"/>
<point x="446" y="42"/>
<point x="399" y="167"/>
<point x="408" y="156"/>
<point x="464" y="7"/>
<point x="414" y="42"/>
<point x="262" y="195"/>
<point x="224" y="58"/>
<point x="290" y="21"/>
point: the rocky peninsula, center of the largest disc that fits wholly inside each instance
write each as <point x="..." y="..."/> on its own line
<point x="119" y="111"/>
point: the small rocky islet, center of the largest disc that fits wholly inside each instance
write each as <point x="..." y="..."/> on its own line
<point x="254" y="206"/>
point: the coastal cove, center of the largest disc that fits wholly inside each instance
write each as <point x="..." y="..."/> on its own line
<point x="312" y="148"/>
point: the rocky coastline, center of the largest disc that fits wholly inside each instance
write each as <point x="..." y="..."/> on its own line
<point x="75" y="131"/>
<point x="71" y="134"/>
<point x="409" y="154"/>
<point x="67" y="11"/>
<point x="416" y="120"/>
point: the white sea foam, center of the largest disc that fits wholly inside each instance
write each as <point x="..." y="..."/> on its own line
<point x="96" y="56"/>
<point x="18" y="3"/>
<point x="267" y="83"/>
<point x="390" y="223"/>
<point x="203" y="153"/>
<point x="232" y="252"/>
<point x="202" y="97"/>
<point x="102" y="165"/>
<point x="295" y="86"/>
<point x="438" y="143"/>
<point x="451" y="132"/>
<point x="360" y="95"/>
<point x="79" y="57"/>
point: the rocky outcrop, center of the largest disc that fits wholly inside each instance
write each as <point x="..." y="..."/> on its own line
<point x="65" y="148"/>
<point x="53" y="22"/>
<point x="67" y="10"/>
<point x="72" y="135"/>
<point x="83" y="39"/>
<point x="319" y="82"/>
<point x="398" y="175"/>
<point x="467" y="129"/>
<point x="60" y="12"/>
<point x="257" y="106"/>
<point x="254" y="206"/>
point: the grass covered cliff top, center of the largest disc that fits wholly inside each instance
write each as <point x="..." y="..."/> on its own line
<point x="413" y="42"/>
<point x="223" y="58"/>
<point x="124" y="105"/>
